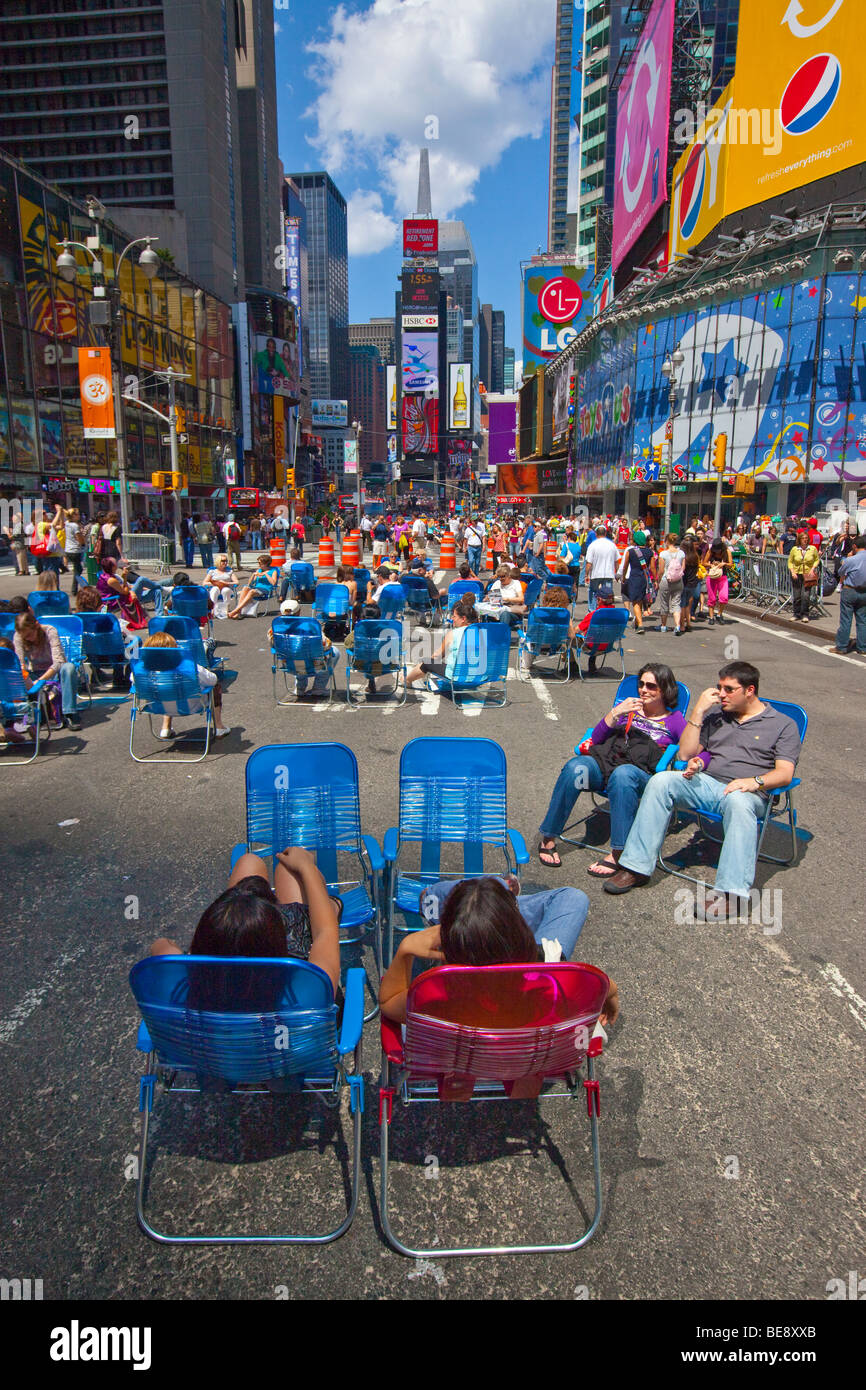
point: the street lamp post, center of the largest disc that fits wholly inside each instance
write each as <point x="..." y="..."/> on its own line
<point x="358" y="427"/>
<point x="670" y="371"/>
<point x="67" y="269"/>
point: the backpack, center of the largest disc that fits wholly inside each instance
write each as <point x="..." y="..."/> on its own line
<point x="674" y="569"/>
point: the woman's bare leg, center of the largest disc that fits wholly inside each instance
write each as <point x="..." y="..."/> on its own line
<point x="249" y="866"/>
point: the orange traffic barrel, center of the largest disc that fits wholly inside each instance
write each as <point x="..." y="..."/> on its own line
<point x="550" y="552"/>
<point x="351" y="554"/>
<point x="326" y="552"/>
<point x="278" y="552"/>
<point x="356" y="534"/>
<point x="448" y="552"/>
<point x="490" y="560"/>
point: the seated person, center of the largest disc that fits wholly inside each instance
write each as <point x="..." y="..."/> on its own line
<point x="465" y="571"/>
<point x="322" y="679"/>
<point x="12" y="725"/>
<point x="47" y="582"/>
<point x="87" y="601"/>
<point x="40" y="654"/>
<point x="296" y="918"/>
<point x="738" y="751"/>
<point x="207" y="679"/>
<point x="555" y="918"/>
<point x="369" y="610"/>
<point x="220" y="580"/>
<point x="595" y="649"/>
<point x="444" y="660"/>
<point x="482" y="924"/>
<point x="261" y="585"/>
<point x="618" y="759"/>
<point x="117" y="597"/>
<point x="304" y="595"/>
<point x="378" y="581"/>
<point x="553" y="598"/>
<point x="418" y="570"/>
<point x="504" y="598"/>
<point x="144" y="588"/>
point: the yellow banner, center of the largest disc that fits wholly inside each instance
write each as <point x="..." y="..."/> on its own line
<point x="799" y="91"/>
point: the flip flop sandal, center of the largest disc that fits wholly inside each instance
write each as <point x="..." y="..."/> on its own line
<point x="604" y="868"/>
<point x="553" y="856"/>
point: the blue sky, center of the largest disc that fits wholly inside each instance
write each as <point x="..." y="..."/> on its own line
<point x="357" y="85"/>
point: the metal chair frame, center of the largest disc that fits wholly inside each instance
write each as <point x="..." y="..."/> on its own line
<point x="174" y="1030"/>
<point x="541" y="631"/>
<point x="20" y="700"/>
<point x="385" y="629"/>
<point x="463" y="681"/>
<point x="613" y="642"/>
<point x="397" y="1077"/>
<point x="150" y="705"/>
<point x="310" y="651"/>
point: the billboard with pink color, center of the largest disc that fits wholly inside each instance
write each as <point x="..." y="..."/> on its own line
<point x="642" y="119"/>
<point x="502" y="432"/>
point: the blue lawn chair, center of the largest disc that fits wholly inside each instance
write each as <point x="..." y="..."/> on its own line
<point x="332" y="602"/>
<point x="187" y="634"/>
<point x="392" y="601"/>
<point x="779" y="808"/>
<point x="459" y="589"/>
<point x="532" y="593"/>
<point x="547" y="630"/>
<point x="298" y="650"/>
<point x="70" y="631"/>
<point x="286" y="1040"/>
<point x="165" y="682"/>
<point x="453" y="791"/>
<point x="378" y="652"/>
<point x="419" y="599"/>
<point x="18" y="702"/>
<point x="103" y="640"/>
<point x="48" y="601"/>
<point x="606" y="629"/>
<point x="626" y="690"/>
<point x="7" y="625"/>
<point x="191" y="601"/>
<point x="302" y="579"/>
<point x="362" y="579"/>
<point x="307" y="794"/>
<point x="481" y="665"/>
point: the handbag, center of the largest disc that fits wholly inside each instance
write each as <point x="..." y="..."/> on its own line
<point x="811" y="579"/>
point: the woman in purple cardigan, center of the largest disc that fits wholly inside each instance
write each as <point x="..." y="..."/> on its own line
<point x="618" y="759"/>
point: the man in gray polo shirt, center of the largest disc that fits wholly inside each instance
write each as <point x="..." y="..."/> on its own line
<point x="738" y="751"/>
<point x="852" y="598"/>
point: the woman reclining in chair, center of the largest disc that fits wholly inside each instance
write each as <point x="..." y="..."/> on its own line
<point x="260" y="587"/>
<point x="483" y="923"/>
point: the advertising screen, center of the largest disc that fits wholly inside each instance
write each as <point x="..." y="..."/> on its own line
<point x="420" y="383"/>
<point x="330" y="413"/>
<point x="420" y="290"/>
<point x="459" y="459"/>
<point x="391" y="388"/>
<point x="642" y="116"/>
<point x="460" y="396"/>
<point x="350" y="456"/>
<point x="502" y="433"/>
<point x="275" y="367"/>
<point x="557" y="304"/>
<point x="420" y="236"/>
<point x="698" y="186"/>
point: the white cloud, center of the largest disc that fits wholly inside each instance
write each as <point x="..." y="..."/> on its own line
<point x="480" y="67"/>
<point x="369" y="227"/>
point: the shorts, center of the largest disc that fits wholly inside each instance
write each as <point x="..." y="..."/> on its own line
<point x="380" y="548"/>
<point x="434" y="668"/>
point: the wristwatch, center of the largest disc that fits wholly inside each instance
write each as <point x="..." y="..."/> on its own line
<point x="759" y="781"/>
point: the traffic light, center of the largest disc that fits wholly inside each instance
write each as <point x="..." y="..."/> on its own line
<point x="290" y="477"/>
<point x="179" y="418"/>
<point x="332" y="487"/>
<point x="169" y="482"/>
<point x="658" y="453"/>
<point x="720" y="453"/>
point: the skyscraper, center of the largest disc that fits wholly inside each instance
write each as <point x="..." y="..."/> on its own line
<point x="459" y="271"/>
<point x="509" y="370"/>
<point x="140" y="106"/>
<point x="378" y="333"/>
<point x="560" y="128"/>
<point x="367" y="404"/>
<point x="497" y="351"/>
<point x="327" y="313"/>
<point x="610" y="27"/>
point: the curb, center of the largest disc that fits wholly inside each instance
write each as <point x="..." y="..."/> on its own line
<point x="776" y="620"/>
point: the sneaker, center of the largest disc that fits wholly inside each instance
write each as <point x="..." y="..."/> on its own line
<point x="712" y="622"/>
<point x="221" y="733"/>
<point x="678" y="632"/>
<point x="73" y="722"/>
<point x="166" y="733"/>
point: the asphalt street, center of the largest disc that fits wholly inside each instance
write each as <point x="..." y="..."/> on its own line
<point x="732" y="1085"/>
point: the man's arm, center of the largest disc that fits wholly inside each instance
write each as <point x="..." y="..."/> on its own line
<point x="690" y="739"/>
<point x="779" y="777"/>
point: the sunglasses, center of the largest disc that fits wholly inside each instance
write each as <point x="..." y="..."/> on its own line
<point x="729" y="689"/>
<point x="647" y="685"/>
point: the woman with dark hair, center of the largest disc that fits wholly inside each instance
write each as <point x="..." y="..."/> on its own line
<point x="483" y="923"/>
<point x="444" y="660"/>
<point x="39" y="651"/>
<point x="117" y="596"/>
<point x="263" y="583"/>
<point x="296" y="917"/>
<point x="720" y="562"/>
<point x="111" y="538"/>
<point x="618" y="758"/>
<point x="633" y="572"/>
<point x="693" y="578"/>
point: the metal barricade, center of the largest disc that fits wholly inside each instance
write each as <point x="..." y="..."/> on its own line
<point x="157" y="551"/>
<point x="765" y="580"/>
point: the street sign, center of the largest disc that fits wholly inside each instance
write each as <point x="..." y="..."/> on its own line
<point x="181" y="439"/>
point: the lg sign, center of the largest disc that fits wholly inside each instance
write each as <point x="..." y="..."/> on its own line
<point x="560" y="302"/>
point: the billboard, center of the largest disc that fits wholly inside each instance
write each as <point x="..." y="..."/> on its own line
<point x="420" y="392"/>
<point x="605" y="294"/>
<point x="420" y="236"/>
<point x="501" y="433"/>
<point x="460" y="396"/>
<point x="420" y="290"/>
<point x="642" y="117"/>
<point x="698" y="185"/>
<point x="561" y="383"/>
<point x="330" y="413"/>
<point x="533" y="479"/>
<point x="391" y="388"/>
<point x="275" y="367"/>
<point x="97" y="398"/>
<point x="293" y="278"/>
<point x="556" y="306"/>
<point x="350" y="456"/>
<point x="459" y="463"/>
<point x="805" y="72"/>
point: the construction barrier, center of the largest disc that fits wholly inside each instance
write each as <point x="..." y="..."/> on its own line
<point x="148" y="550"/>
<point x="326" y="552"/>
<point x="490" y="564"/>
<point x="351" y="553"/>
<point x="550" y="552"/>
<point x="278" y="552"/>
<point x="765" y="580"/>
<point x="447" y="552"/>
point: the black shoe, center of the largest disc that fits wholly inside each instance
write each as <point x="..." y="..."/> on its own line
<point x="72" y="722"/>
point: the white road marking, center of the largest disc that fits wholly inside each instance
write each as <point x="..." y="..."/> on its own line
<point x="841" y="988"/>
<point x="544" y="697"/>
<point x="34" y="997"/>
<point x="430" y="701"/>
<point x="786" y="637"/>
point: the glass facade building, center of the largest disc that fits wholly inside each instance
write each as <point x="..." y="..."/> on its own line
<point x="327" y="312"/>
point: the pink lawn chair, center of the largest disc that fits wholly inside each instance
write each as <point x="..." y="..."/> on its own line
<point x="491" y="1033"/>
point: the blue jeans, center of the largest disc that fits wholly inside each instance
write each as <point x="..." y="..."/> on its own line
<point x="188" y="547"/>
<point x="68" y="678"/>
<point x="557" y="915"/>
<point x="594" y="587"/>
<point x="150" y="588"/>
<point x="624" y="790"/>
<point x="740" y="814"/>
<point x="852" y="606"/>
<point x="691" y="600"/>
<point x="206" y="553"/>
<point x="473" y="555"/>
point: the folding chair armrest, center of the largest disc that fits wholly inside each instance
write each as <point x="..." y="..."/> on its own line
<point x="376" y="857"/>
<point x="142" y="1041"/>
<point x="353" y="1012"/>
<point x="583" y="740"/>
<point x="35" y="688"/>
<point x="518" y="845"/>
<point x="391" y="843"/>
<point x="392" y="1040"/>
<point x="237" y="851"/>
<point x="680" y="764"/>
<point x="780" y="791"/>
<point x="667" y="758"/>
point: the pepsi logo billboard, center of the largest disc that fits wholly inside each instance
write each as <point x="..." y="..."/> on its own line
<point x="811" y="93"/>
<point x="692" y="188"/>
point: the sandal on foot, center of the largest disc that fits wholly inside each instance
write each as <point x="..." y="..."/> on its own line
<point x="552" y="861"/>
<point x="604" y="868"/>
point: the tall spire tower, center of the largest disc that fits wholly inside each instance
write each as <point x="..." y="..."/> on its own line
<point x="425" y="207"/>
